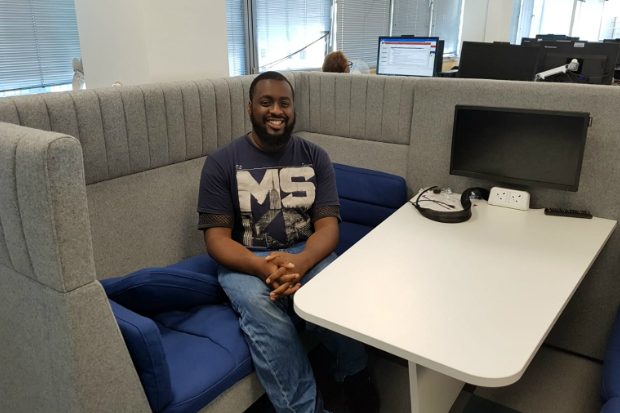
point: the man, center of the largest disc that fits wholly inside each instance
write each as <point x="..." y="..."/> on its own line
<point x="269" y="210"/>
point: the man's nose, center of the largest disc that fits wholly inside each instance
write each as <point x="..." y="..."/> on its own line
<point x="276" y="109"/>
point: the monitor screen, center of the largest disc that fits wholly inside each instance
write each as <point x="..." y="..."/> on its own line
<point x="596" y="60"/>
<point x="407" y="56"/>
<point x="502" y="61"/>
<point x="556" y="37"/>
<point x="530" y="148"/>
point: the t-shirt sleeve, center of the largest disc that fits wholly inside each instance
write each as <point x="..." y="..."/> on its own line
<point x="326" y="203"/>
<point x="215" y="207"/>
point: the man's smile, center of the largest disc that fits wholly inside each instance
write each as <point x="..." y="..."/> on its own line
<point x="275" y="123"/>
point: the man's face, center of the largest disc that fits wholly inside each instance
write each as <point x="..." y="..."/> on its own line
<point x="272" y="114"/>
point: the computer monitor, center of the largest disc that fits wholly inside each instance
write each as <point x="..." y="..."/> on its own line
<point x="438" y="53"/>
<point x="498" y="61"/>
<point x="596" y="61"/>
<point x="556" y="37"/>
<point x="614" y="41"/>
<point x="408" y="56"/>
<point x="522" y="147"/>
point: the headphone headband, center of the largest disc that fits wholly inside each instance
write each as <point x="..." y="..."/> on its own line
<point x="450" y="217"/>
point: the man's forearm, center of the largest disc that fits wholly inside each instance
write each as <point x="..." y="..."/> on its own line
<point x="233" y="255"/>
<point x="321" y="243"/>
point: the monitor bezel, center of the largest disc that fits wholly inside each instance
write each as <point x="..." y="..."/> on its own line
<point x="520" y="182"/>
<point x="409" y="38"/>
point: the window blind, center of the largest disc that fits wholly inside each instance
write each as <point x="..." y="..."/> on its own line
<point x="235" y="22"/>
<point x="359" y="25"/>
<point x="284" y="27"/>
<point x="38" y="41"/>
<point x="446" y="22"/>
<point x="411" y="17"/>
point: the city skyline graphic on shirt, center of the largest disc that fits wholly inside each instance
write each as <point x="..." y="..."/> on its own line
<point x="274" y="205"/>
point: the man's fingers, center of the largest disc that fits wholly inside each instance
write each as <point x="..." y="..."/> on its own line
<point x="280" y="262"/>
<point x="275" y="294"/>
<point x="276" y="275"/>
<point x="293" y="289"/>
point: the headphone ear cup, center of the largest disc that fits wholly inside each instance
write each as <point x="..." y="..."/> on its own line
<point x="476" y="193"/>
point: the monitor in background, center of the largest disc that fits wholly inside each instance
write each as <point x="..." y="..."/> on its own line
<point x="438" y="55"/>
<point x="614" y="41"/>
<point x="498" y="61"/>
<point x="529" y="148"/>
<point x="555" y="37"/>
<point x="408" y="56"/>
<point x="596" y="61"/>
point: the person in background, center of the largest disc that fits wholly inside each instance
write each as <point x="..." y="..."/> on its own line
<point x="336" y="62"/>
<point x="269" y="210"/>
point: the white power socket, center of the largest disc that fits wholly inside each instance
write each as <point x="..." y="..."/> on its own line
<point x="509" y="198"/>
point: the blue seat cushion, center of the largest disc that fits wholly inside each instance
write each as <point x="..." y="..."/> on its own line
<point x="182" y="334"/>
<point x="610" y="386"/>
<point x="206" y="354"/>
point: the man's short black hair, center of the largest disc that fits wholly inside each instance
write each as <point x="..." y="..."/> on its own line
<point x="271" y="75"/>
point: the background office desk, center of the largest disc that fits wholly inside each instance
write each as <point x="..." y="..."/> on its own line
<point x="469" y="302"/>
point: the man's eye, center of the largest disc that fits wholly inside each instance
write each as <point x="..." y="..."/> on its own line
<point x="285" y="104"/>
<point x="265" y="102"/>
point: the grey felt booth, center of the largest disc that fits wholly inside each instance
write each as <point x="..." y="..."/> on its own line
<point x="99" y="183"/>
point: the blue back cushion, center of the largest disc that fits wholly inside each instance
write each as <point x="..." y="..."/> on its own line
<point x="367" y="198"/>
<point x="152" y="291"/>
<point x="143" y="340"/>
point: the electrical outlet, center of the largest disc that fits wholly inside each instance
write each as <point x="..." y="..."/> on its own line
<point x="519" y="200"/>
<point x="509" y="198"/>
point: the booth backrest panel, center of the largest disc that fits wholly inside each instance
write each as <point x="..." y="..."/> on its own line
<point x="360" y="120"/>
<point x="143" y="149"/>
<point x="137" y="128"/>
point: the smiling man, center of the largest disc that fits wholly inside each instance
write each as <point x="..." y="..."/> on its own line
<point x="269" y="210"/>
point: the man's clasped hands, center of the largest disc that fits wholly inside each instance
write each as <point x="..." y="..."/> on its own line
<point x="286" y="272"/>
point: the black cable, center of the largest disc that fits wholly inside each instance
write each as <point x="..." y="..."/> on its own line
<point x="416" y="203"/>
<point x="441" y="203"/>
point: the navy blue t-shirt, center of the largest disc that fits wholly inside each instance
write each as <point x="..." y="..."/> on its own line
<point x="270" y="200"/>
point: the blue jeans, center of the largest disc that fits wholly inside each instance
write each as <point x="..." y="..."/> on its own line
<point x="278" y="355"/>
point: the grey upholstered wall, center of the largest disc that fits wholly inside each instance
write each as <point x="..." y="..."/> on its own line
<point x="359" y="120"/>
<point x="141" y="194"/>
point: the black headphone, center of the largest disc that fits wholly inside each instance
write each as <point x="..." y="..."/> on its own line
<point x="447" y="216"/>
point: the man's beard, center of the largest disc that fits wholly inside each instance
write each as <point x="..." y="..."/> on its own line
<point x="272" y="143"/>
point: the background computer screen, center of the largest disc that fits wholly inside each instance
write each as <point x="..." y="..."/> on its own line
<point x="530" y="148"/>
<point x="502" y="61"/>
<point x="404" y="56"/>
<point x="596" y="60"/>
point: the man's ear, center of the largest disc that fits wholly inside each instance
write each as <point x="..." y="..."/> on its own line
<point x="250" y="108"/>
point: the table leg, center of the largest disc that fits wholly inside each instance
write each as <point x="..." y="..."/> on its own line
<point x="431" y="392"/>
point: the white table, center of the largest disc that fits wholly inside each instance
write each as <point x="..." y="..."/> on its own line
<point x="469" y="302"/>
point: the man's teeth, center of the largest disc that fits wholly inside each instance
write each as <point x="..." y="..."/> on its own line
<point x="275" y="122"/>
